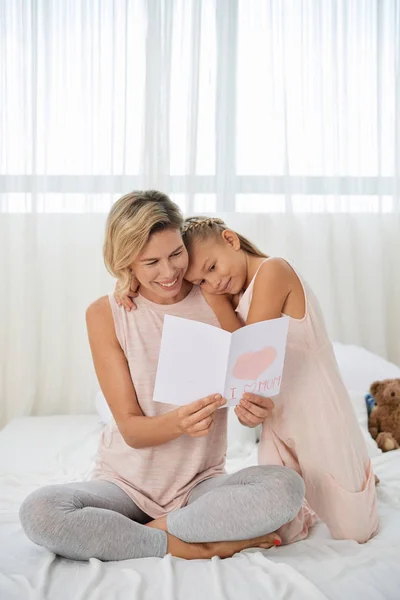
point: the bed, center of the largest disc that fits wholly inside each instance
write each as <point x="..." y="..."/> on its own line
<point x="38" y="450"/>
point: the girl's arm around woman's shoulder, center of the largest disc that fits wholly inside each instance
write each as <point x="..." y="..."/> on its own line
<point x="277" y="289"/>
<point x="115" y="381"/>
<point x="222" y="306"/>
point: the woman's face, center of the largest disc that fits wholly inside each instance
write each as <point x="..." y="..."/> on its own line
<point x="219" y="266"/>
<point x="161" y="266"/>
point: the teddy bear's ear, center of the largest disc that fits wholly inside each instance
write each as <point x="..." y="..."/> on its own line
<point x="375" y="387"/>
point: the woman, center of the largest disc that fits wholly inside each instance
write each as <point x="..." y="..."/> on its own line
<point x="159" y="485"/>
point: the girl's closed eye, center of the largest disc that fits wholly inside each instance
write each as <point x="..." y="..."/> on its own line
<point x="211" y="268"/>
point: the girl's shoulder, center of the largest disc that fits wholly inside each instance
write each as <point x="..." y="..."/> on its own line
<point x="276" y="289"/>
<point x="274" y="270"/>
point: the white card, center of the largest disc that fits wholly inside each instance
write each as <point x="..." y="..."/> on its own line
<point x="197" y="359"/>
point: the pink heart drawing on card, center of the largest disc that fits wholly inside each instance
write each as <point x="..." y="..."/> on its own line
<point x="251" y="364"/>
<point x="250" y="388"/>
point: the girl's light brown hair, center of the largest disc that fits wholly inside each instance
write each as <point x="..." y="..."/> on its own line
<point x="204" y="227"/>
<point x="131" y="221"/>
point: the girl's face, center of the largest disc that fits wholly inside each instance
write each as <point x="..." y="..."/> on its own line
<point x="161" y="266"/>
<point x="218" y="265"/>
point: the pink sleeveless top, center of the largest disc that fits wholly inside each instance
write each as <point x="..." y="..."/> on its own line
<point x="158" y="479"/>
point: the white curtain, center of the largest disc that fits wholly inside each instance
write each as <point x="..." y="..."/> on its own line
<point x="286" y="111"/>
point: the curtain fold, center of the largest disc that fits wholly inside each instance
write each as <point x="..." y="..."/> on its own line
<point x="248" y="105"/>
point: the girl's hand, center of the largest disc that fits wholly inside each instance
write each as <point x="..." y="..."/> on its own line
<point x="127" y="300"/>
<point x="196" y="419"/>
<point x="222" y="300"/>
<point x="218" y="300"/>
<point x="253" y="410"/>
<point x="222" y="307"/>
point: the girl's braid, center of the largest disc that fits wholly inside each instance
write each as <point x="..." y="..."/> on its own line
<point x="198" y="224"/>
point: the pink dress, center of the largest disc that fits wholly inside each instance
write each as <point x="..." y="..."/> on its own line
<point x="313" y="429"/>
<point x="158" y="479"/>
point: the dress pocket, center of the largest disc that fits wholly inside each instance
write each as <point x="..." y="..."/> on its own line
<point x="351" y="515"/>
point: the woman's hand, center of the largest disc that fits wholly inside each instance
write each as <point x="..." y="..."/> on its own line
<point x="253" y="410"/>
<point x="127" y="300"/>
<point x="196" y="419"/>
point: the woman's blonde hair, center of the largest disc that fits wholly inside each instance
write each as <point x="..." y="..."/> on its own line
<point x="205" y="227"/>
<point x="131" y="221"/>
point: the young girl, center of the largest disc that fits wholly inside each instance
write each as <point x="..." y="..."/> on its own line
<point x="312" y="428"/>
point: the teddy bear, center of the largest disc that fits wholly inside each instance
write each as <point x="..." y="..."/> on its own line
<point x="384" y="420"/>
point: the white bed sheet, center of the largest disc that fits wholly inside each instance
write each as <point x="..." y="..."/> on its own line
<point x="38" y="450"/>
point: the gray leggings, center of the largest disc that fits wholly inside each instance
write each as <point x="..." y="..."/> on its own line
<point x="96" y="519"/>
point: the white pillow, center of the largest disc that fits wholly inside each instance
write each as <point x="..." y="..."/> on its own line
<point x="58" y="443"/>
<point x="360" y="408"/>
<point x="359" y="367"/>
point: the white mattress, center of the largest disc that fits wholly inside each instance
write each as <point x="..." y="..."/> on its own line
<point x="38" y="450"/>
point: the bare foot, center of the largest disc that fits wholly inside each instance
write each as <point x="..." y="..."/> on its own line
<point x="228" y="549"/>
<point x="177" y="547"/>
